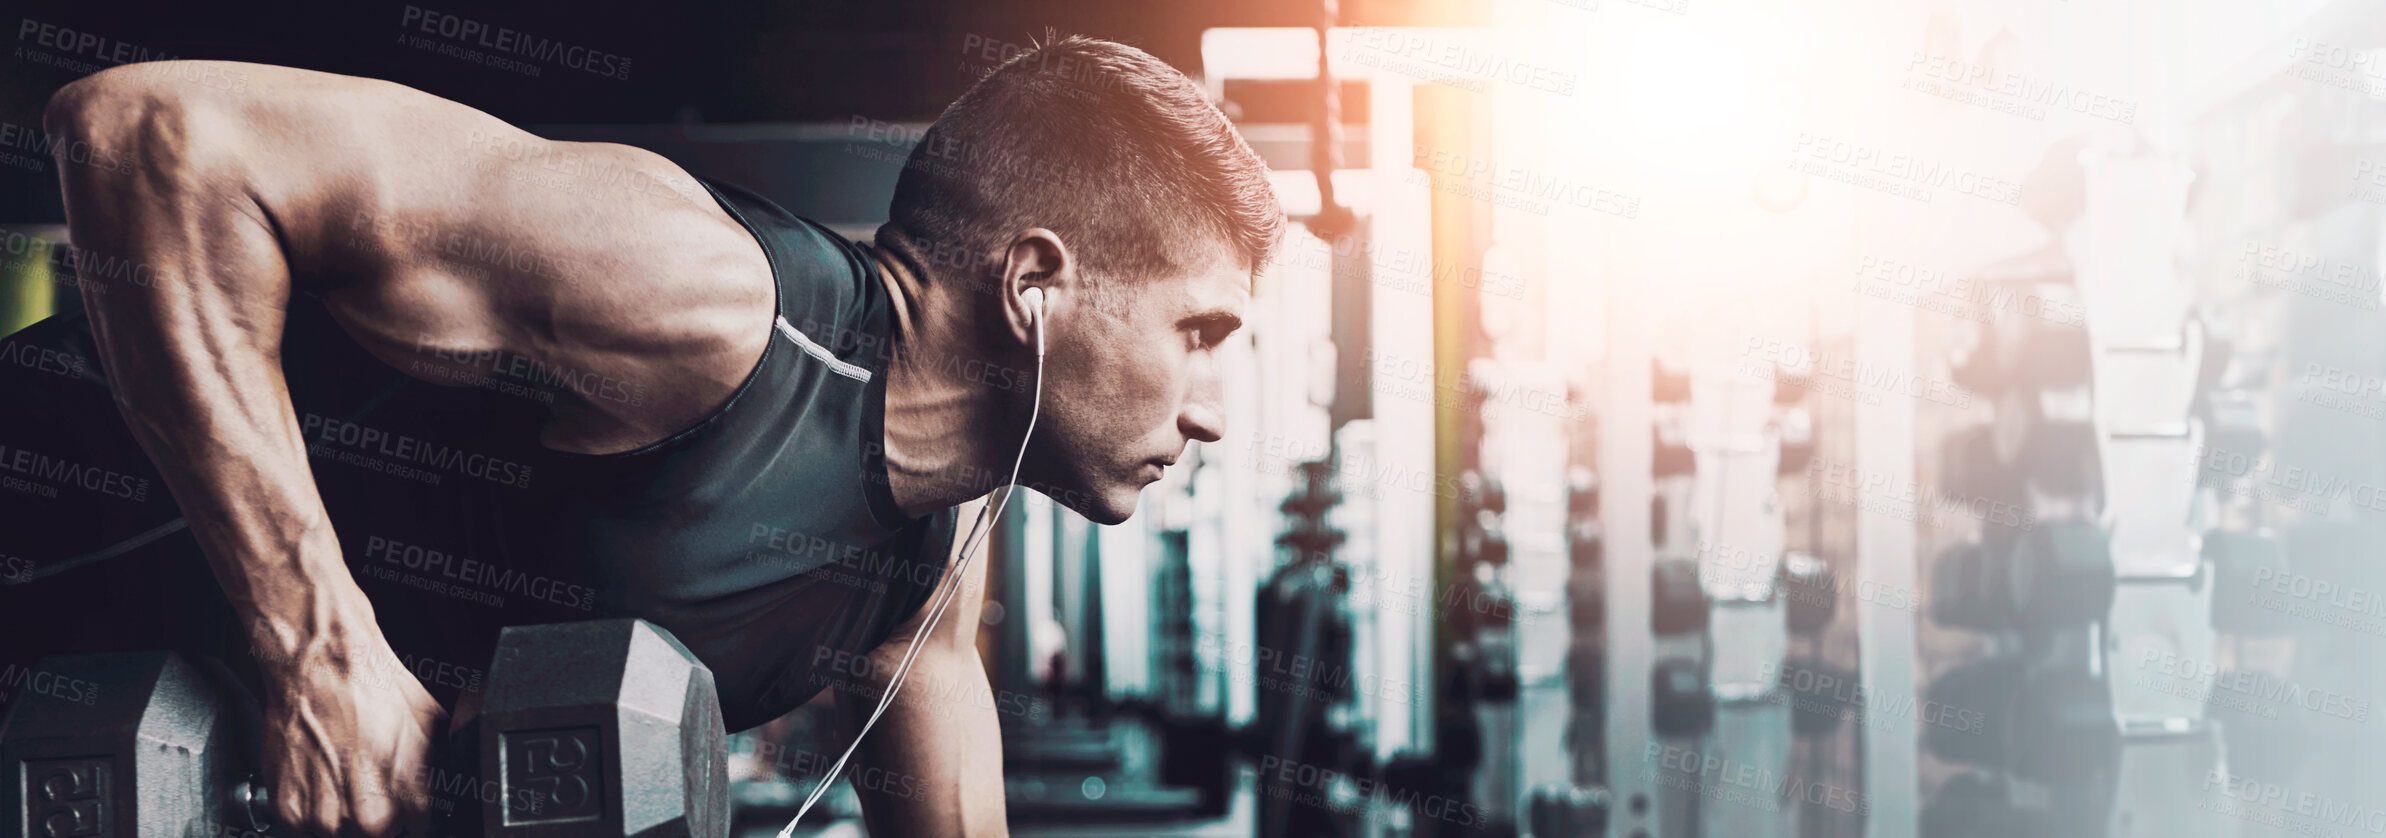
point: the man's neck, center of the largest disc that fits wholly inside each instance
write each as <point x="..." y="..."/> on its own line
<point x="938" y="449"/>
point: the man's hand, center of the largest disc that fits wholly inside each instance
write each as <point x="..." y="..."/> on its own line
<point x="191" y="345"/>
<point x="347" y="746"/>
<point x="222" y="204"/>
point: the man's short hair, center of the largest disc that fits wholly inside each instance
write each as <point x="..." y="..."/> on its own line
<point x="1099" y="142"/>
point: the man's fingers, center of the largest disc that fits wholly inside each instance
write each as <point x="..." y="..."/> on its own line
<point x="323" y="815"/>
<point x="373" y="805"/>
<point x="287" y="806"/>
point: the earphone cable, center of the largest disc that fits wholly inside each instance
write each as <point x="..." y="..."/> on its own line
<point x="968" y="551"/>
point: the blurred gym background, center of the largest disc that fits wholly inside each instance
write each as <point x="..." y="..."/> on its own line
<point x="1668" y="418"/>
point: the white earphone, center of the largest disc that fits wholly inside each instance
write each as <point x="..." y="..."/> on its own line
<point x="1034" y="299"/>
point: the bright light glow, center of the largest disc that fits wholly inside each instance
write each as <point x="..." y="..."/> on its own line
<point x="1687" y="83"/>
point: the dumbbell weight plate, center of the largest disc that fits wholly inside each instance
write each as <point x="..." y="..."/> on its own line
<point x="607" y="727"/>
<point x="2067" y="735"/>
<point x="1820" y="696"/>
<point x="1586" y="599"/>
<point x="1958" y="597"/>
<point x="1681" y="699"/>
<point x="2060" y="574"/>
<point x="1967" y="805"/>
<point x="1677" y="603"/>
<point x="131" y="743"/>
<point x="2059" y="458"/>
<point x="1586" y="676"/>
<point x="1970" y="471"/>
<point x="1809" y="592"/>
<point x="1971" y="706"/>
<point x="1671" y="455"/>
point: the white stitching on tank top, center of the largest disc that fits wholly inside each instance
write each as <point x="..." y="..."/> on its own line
<point x="817" y="351"/>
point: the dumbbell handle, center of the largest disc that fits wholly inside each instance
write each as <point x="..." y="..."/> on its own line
<point x="2193" y="578"/>
<point x="250" y="798"/>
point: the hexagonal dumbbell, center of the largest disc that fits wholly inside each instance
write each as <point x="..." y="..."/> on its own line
<point x="607" y="727"/>
<point x="129" y="743"/>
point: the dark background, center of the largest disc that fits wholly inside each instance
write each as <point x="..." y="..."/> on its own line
<point x="713" y="63"/>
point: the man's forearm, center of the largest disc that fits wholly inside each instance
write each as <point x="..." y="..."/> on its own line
<point x="190" y="340"/>
<point x="933" y="764"/>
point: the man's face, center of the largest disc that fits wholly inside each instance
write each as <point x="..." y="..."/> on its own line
<point x="1125" y="389"/>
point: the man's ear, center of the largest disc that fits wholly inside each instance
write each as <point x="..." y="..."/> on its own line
<point x="1036" y="258"/>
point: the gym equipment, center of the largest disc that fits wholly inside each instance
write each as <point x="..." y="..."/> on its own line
<point x="1070" y="770"/>
<point x="2060" y="574"/>
<point x="1677" y="604"/>
<point x="1560" y="810"/>
<point x="2065" y="733"/>
<point x="130" y="743"/>
<point x="1958" y="598"/>
<point x="1815" y="712"/>
<point x="2025" y="351"/>
<point x="1671" y="456"/>
<point x="1969" y="468"/>
<point x="2059" y="457"/>
<point x="608" y="727"/>
<point x="1970" y="805"/>
<point x="1984" y="690"/>
<point x="1198" y="753"/>
<point x="1588" y="594"/>
<point x="1681" y="700"/>
<point x="1587" y="665"/>
<point x="1809" y="591"/>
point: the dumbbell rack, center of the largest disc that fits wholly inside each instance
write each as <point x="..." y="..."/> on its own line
<point x="2155" y="366"/>
<point x="1714" y="701"/>
<point x="2037" y="582"/>
<point x="1628" y="488"/>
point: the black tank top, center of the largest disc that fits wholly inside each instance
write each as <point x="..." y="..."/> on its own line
<point x="764" y="537"/>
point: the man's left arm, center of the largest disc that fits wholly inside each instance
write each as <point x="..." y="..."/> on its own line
<point x="933" y="763"/>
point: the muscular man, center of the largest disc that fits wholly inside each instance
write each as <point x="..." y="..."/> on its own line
<point x="404" y="374"/>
